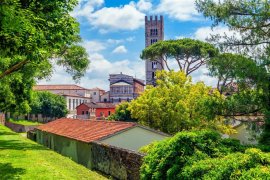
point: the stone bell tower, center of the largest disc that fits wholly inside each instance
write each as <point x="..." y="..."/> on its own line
<point x="154" y="31"/>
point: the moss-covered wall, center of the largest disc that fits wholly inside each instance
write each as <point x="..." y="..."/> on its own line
<point x="79" y="152"/>
<point x="117" y="162"/>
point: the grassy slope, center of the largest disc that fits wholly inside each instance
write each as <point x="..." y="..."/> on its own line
<point x="21" y="158"/>
<point x="24" y="122"/>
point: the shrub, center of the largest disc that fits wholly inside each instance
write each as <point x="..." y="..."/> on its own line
<point x="167" y="158"/>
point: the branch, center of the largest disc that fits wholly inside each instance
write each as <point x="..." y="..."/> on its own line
<point x="14" y="68"/>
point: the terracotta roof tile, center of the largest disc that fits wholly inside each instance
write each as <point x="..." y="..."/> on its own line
<point x="84" y="130"/>
<point x="58" y="87"/>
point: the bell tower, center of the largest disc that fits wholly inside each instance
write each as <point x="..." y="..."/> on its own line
<point x="154" y="32"/>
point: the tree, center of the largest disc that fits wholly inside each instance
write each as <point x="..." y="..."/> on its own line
<point x="177" y="104"/>
<point x="122" y="113"/>
<point x="189" y="54"/>
<point x="34" y="35"/>
<point x="234" y="68"/>
<point x="49" y="105"/>
<point x="251" y="20"/>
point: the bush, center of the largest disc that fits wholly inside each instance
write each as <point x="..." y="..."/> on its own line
<point x="167" y="158"/>
<point x="253" y="164"/>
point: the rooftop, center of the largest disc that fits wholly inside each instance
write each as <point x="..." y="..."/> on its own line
<point x="100" y="105"/>
<point x="58" y="87"/>
<point x="85" y="130"/>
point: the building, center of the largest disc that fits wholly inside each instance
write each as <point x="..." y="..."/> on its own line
<point x="125" y="135"/>
<point x="124" y="87"/>
<point x="96" y="94"/>
<point x="154" y="32"/>
<point x="74" y="94"/>
<point x="110" y="147"/>
<point x="95" y="110"/>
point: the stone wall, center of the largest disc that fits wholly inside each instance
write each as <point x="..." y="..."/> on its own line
<point x="117" y="162"/>
<point x="18" y="127"/>
<point x="113" y="161"/>
<point x="2" y="118"/>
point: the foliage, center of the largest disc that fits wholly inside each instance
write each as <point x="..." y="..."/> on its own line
<point x="177" y="104"/>
<point x="122" y="113"/>
<point x="233" y="68"/>
<point x="35" y="35"/>
<point x="167" y="159"/>
<point x="49" y="105"/>
<point x="22" y="158"/>
<point x="189" y="54"/>
<point x="250" y="19"/>
<point x="253" y="164"/>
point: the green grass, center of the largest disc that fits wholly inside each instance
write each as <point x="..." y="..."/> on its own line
<point x="21" y="158"/>
<point x="24" y="122"/>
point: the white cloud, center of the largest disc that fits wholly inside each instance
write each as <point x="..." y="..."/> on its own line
<point x="205" y="32"/>
<point x="127" y="17"/>
<point x="130" y="39"/>
<point x="120" y="50"/>
<point x="98" y="73"/>
<point x="144" y="5"/>
<point x="115" y="41"/>
<point x="183" y="10"/>
<point x="93" y="46"/>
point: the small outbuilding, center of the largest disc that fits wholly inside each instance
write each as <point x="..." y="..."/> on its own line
<point x="109" y="146"/>
<point x="93" y="109"/>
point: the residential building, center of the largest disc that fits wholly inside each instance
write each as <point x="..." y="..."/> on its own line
<point x="105" y="97"/>
<point x="154" y="32"/>
<point x="74" y="94"/>
<point x="124" y="87"/>
<point x="95" y="110"/>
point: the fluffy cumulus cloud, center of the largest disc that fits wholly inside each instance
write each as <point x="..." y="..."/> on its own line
<point x="93" y="46"/>
<point x="205" y="32"/>
<point x="183" y="10"/>
<point x="120" y="50"/>
<point x="127" y="17"/>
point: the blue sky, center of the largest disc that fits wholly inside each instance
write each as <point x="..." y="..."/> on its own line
<point x="113" y="35"/>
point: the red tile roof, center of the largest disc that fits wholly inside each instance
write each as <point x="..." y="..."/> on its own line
<point x="100" y="105"/>
<point x="84" y="130"/>
<point x="58" y="87"/>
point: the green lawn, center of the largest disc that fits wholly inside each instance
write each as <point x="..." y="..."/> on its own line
<point x="24" y="122"/>
<point x="21" y="158"/>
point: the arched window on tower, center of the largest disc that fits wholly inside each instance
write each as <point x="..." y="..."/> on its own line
<point x="154" y="65"/>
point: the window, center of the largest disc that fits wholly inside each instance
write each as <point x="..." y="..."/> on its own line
<point x="73" y="103"/>
<point x="95" y="93"/>
<point x="77" y="102"/>
<point x="69" y="104"/>
<point x="127" y="99"/>
<point x="109" y="112"/>
<point x="105" y="100"/>
<point x="119" y="99"/>
<point x="153" y="41"/>
<point x="153" y="32"/>
<point x="154" y="65"/>
<point x="87" y="112"/>
<point x="82" y="112"/>
<point x="153" y="75"/>
<point x="80" y="101"/>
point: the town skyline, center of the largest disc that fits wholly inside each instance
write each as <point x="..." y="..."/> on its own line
<point x="115" y="48"/>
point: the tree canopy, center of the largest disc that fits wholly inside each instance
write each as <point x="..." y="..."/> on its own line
<point x="189" y="54"/>
<point x="49" y="105"/>
<point x="35" y="35"/>
<point x="122" y="113"/>
<point x="177" y="104"/>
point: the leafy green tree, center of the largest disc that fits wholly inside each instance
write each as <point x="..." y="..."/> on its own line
<point x="177" y="104"/>
<point x="234" y="68"/>
<point x="122" y="113"/>
<point x="49" y="105"/>
<point x="250" y="19"/>
<point x="189" y="54"/>
<point x="34" y="35"/>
